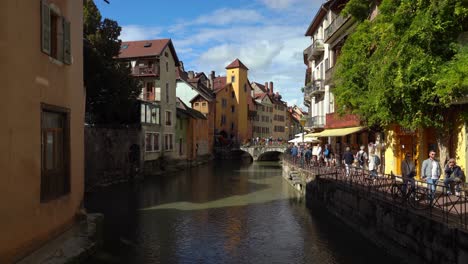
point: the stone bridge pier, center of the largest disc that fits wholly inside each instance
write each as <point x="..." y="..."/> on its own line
<point x="263" y="153"/>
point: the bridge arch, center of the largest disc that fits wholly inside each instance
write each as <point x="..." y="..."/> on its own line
<point x="263" y="153"/>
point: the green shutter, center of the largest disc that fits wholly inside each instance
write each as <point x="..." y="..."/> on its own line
<point x="66" y="42"/>
<point x="45" y="22"/>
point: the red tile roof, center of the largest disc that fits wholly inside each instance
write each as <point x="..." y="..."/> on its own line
<point x="146" y="48"/>
<point x="219" y="83"/>
<point x="236" y="64"/>
<point x="261" y="86"/>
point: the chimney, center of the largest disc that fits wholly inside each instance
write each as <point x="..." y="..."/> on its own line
<point x="181" y="65"/>
<point x="212" y="77"/>
<point x="271" y="88"/>
<point x="266" y="87"/>
<point x="191" y="74"/>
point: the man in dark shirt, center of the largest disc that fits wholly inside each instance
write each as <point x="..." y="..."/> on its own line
<point x="348" y="159"/>
<point x="453" y="174"/>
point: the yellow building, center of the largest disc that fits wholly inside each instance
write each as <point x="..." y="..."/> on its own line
<point x="42" y="117"/>
<point x="419" y="142"/>
<point x="232" y="95"/>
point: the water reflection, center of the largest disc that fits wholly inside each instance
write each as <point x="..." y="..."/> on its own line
<point x="222" y="213"/>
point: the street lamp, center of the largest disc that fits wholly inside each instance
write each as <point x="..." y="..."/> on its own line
<point x="302" y="121"/>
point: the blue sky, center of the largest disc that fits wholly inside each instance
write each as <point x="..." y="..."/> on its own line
<point x="266" y="35"/>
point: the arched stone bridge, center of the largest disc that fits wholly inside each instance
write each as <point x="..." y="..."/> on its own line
<point x="262" y="153"/>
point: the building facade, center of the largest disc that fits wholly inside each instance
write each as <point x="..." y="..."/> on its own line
<point x="42" y="135"/>
<point x="154" y="63"/>
<point x="328" y="32"/>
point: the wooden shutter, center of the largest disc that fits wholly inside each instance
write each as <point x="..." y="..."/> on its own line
<point x="45" y="27"/>
<point x="66" y="42"/>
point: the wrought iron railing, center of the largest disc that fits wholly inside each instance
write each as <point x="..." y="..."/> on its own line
<point x="449" y="209"/>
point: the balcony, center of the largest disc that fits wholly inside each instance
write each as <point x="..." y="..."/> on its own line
<point x="307" y="99"/>
<point x="317" y="87"/>
<point x="148" y="96"/>
<point x="315" y="122"/>
<point x="142" y="71"/>
<point x="308" y="76"/>
<point x="336" y="24"/>
<point x="307" y="102"/>
<point x="329" y="75"/>
<point x="315" y="50"/>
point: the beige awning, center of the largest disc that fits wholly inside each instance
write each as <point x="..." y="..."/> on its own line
<point x="337" y="132"/>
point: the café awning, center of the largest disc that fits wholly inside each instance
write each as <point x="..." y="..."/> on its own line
<point x="337" y="132"/>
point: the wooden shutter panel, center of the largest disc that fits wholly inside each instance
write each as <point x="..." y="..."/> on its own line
<point x="45" y="28"/>
<point x="66" y="42"/>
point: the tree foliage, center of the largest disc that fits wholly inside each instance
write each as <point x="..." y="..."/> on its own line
<point x="407" y="65"/>
<point x="110" y="90"/>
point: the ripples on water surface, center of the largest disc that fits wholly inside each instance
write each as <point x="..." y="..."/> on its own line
<point x="226" y="212"/>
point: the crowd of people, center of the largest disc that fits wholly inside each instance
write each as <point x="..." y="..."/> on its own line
<point x="309" y="155"/>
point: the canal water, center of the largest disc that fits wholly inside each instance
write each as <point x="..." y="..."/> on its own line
<point x="224" y="212"/>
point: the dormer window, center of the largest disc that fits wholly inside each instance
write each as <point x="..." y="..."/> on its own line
<point x="148" y="44"/>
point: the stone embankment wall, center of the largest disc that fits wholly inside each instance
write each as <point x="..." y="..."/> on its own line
<point x="114" y="155"/>
<point x="107" y="155"/>
<point x="404" y="233"/>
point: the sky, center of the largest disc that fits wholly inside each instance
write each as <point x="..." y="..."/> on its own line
<point x="266" y="35"/>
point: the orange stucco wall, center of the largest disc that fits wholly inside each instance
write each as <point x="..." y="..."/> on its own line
<point x="29" y="78"/>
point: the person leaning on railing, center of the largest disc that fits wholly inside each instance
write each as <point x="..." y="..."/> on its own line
<point x="453" y="174"/>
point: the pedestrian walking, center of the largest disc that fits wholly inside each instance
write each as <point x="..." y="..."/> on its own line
<point x="374" y="162"/>
<point x="408" y="172"/>
<point x="326" y="155"/>
<point x="453" y="174"/>
<point x="361" y="157"/>
<point x="308" y="156"/>
<point x="294" y="154"/>
<point x="431" y="172"/>
<point x="348" y="159"/>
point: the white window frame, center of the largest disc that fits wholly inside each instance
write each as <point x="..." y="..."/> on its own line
<point x="169" y="147"/>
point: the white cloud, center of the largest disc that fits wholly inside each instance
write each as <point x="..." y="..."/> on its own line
<point x="221" y="17"/>
<point x="135" y="32"/>
<point x="278" y="4"/>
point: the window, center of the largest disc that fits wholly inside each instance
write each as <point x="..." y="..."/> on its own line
<point x="232" y="126"/>
<point x="204" y="104"/>
<point x="233" y="79"/>
<point x="55" y="157"/>
<point x="150" y="114"/>
<point x="167" y="66"/>
<point x="223" y="119"/>
<point x="245" y="87"/>
<point x="157" y="94"/>
<point x="149" y="95"/>
<point x="233" y="94"/>
<point x="196" y="104"/>
<point x="223" y="103"/>
<point x="168" y="118"/>
<point x="233" y="108"/>
<point x="168" y="142"/>
<point x="151" y="142"/>
<point x="167" y="92"/>
<point x="55" y="34"/>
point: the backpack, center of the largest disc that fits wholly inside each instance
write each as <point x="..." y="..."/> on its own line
<point x="376" y="160"/>
<point x="326" y="152"/>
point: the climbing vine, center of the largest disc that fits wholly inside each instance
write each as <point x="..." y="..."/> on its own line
<point x="407" y="65"/>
